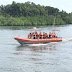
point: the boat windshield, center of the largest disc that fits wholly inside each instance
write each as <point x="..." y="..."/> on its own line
<point x="34" y="29"/>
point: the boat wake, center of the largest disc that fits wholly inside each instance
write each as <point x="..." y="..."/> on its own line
<point x="44" y="44"/>
<point x="66" y="39"/>
<point x="38" y="44"/>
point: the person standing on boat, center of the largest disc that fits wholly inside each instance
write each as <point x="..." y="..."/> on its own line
<point x="40" y="35"/>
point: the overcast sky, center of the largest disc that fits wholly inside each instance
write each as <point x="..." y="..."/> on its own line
<point x="65" y="5"/>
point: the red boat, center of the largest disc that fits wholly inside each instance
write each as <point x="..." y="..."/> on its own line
<point x="36" y="41"/>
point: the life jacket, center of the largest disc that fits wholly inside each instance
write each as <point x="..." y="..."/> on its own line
<point x="28" y="35"/>
<point x="40" y="34"/>
<point x="44" y="35"/>
<point x="50" y="35"/>
<point x="54" y="36"/>
<point x="37" y="35"/>
<point x="33" y="34"/>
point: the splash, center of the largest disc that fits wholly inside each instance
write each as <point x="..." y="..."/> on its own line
<point x="43" y="44"/>
<point x="66" y="39"/>
<point x="38" y="44"/>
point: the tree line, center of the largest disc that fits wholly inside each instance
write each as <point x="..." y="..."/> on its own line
<point x="30" y="14"/>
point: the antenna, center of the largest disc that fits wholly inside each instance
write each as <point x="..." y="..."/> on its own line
<point x="54" y="20"/>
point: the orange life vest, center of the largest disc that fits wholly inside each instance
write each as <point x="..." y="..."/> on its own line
<point x="44" y="35"/>
<point x="54" y="36"/>
<point x="28" y="35"/>
<point x="50" y="35"/>
<point x="40" y="34"/>
<point x="37" y="35"/>
<point x="33" y="34"/>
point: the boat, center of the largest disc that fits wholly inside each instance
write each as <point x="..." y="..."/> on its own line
<point x="36" y="41"/>
<point x="23" y="41"/>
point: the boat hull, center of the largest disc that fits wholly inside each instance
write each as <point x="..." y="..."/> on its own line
<point x="36" y="41"/>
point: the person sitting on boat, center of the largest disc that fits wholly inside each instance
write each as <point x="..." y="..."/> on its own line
<point x="40" y="35"/>
<point x="36" y="35"/>
<point x="50" y="34"/>
<point x="44" y="35"/>
<point x="54" y="35"/>
<point x="29" y="35"/>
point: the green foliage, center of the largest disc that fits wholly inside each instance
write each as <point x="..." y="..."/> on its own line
<point x="30" y="14"/>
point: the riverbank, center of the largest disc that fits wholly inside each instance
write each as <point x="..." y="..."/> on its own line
<point x="30" y="21"/>
<point x="30" y="14"/>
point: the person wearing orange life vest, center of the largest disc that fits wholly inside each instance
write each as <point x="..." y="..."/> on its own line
<point x="50" y="34"/>
<point x="54" y="35"/>
<point x="29" y="35"/>
<point x="44" y="35"/>
<point x="40" y="35"/>
<point x="34" y="37"/>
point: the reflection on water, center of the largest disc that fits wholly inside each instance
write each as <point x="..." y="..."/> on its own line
<point x="39" y="47"/>
<point x="50" y="56"/>
<point x="34" y="58"/>
<point x="36" y="53"/>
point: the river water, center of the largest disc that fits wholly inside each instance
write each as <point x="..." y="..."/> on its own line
<point x="50" y="57"/>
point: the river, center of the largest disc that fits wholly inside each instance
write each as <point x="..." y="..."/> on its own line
<point x="50" y="57"/>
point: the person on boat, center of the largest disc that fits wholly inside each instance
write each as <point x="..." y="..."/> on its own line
<point x="29" y="35"/>
<point x="50" y="34"/>
<point x="44" y="35"/>
<point x="40" y="35"/>
<point x="36" y="35"/>
<point x="54" y="35"/>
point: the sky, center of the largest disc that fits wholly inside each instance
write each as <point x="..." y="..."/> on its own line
<point x="65" y="5"/>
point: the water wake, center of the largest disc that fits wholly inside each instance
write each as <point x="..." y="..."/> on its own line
<point x="43" y="44"/>
<point x="38" y="44"/>
<point x="66" y="39"/>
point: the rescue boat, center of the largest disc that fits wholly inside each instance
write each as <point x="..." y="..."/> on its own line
<point x="37" y="41"/>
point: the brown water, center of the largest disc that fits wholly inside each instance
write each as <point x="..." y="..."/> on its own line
<point x="50" y="57"/>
